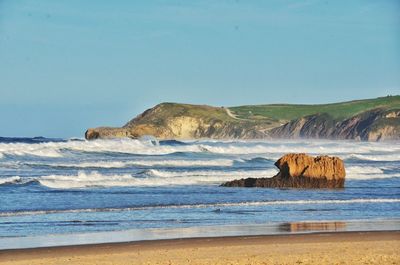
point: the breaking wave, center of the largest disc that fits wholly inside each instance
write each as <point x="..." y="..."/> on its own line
<point x="154" y="177"/>
<point x="269" y="149"/>
<point x="148" y="178"/>
<point x="55" y="149"/>
<point x="10" y="180"/>
<point x="375" y="157"/>
<point x="368" y="172"/>
<point x="148" y="163"/>
<point x="219" y="174"/>
<point x="144" y="163"/>
<point x="205" y="205"/>
<point x="77" y="178"/>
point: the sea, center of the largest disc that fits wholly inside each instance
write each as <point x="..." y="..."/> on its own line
<point x="61" y="187"/>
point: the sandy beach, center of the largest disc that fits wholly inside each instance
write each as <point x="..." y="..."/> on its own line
<point x="319" y="248"/>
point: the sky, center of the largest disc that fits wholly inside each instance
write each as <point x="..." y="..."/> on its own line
<point x="66" y="66"/>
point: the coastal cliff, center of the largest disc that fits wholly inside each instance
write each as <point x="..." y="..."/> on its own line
<point x="373" y="125"/>
<point x="370" y="120"/>
<point x="184" y="121"/>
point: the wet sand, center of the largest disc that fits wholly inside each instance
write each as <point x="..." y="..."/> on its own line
<point x="318" y="248"/>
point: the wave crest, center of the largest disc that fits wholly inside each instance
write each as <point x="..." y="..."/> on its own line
<point x="206" y="205"/>
<point x="268" y="149"/>
<point x="143" y="163"/>
<point x="368" y="172"/>
<point x="10" y="180"/>
<point x="147" y="178"/>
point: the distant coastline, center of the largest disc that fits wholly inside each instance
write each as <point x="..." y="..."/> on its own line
<point x="366" y="120"/>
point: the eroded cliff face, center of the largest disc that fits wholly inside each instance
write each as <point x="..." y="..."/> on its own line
<point x="300" y="171"/>
<point x="182" y="121"/>
<point x="314" y="126"/>
<point x="173" y="121"/>
<point x="374" y="125"/>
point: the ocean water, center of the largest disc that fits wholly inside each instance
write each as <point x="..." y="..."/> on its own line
<point x="57" y="186"/>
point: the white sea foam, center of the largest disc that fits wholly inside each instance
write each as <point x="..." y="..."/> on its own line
<point x="368" y="172"/>
<point x="210" y="205"/>
<point x="364" y="170"/>
<point x="10" y="180"/>
<point x="271" y="149"/>
<point x="22" y="149"/>
<point x="54" y="149"/>
<point x="154" y="177"/>
<point x="301" y="146"/>
<point x="185" y="163"/>
<point x="150" y="178"/>
<point x="208" y="173"/>
<point x="145" y="163"/>
<point x="376" y="157"/>
<point x="83" y="180"/>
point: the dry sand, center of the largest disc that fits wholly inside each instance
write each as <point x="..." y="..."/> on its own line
<point x="323" y="248"/>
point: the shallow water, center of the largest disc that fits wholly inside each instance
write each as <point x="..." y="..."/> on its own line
<point x="55" y="186"/>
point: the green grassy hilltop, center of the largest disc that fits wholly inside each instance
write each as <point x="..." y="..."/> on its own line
<point x="338" y="111"/>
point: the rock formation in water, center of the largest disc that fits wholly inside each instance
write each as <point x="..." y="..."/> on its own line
<point x="300" y="171"/>
<point x="369" y="120"/>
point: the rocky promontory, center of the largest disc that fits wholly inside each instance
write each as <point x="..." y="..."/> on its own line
<point x="366" y="120"/>
<point x="300" y="171"/>
<point x="185" y="121"/>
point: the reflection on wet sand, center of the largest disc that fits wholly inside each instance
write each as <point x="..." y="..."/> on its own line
<point x="312" y="226"/>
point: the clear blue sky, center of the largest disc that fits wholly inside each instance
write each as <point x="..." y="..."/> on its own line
<point x="69" y="65"/>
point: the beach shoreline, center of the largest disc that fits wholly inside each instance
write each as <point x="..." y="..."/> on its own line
<point x="370" y="247"/>
<point x="219" y="231"/>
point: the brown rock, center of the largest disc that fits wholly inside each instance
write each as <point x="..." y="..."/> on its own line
<point x="91" y="134"/>
<point x="107" y="133"/>
<point x="300" y="171"/>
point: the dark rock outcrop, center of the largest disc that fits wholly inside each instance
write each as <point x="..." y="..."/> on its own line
<point x="300" y="171"/>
